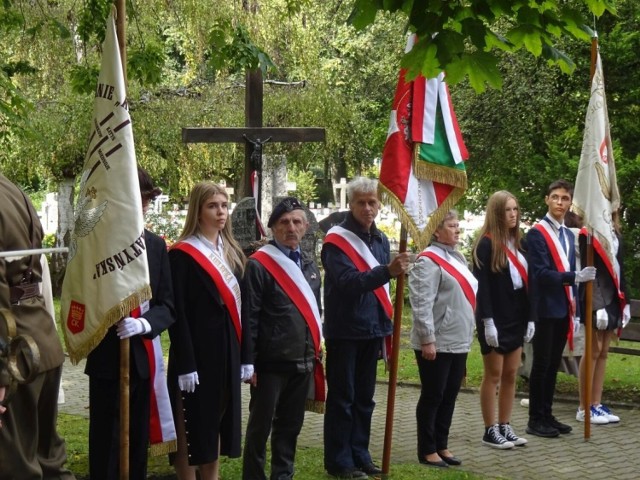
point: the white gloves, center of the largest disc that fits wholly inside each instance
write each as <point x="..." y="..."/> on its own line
<point x="490" y="332"/>
<point x="586" y="274"/>
<point x="531" y="330"/>
<point x="188" y="382"/>
<point x="129" y="326"/>
<point x="576" y="325"/>
<point x="602" y="319"/>
<point x="626" y="315"/>
<point x="246" y="372"/>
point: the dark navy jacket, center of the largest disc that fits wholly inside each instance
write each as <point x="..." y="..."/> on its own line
<point x="546" y="284"/>
<point x="352" y="310"/>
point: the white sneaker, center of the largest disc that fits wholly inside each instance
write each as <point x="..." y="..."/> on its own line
<point x="604" y="410"/>
<point x="597" y="418"/>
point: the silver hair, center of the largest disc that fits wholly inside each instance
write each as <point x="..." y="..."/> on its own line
<point x="361" y="185"/>
<point x="450" y="214"/>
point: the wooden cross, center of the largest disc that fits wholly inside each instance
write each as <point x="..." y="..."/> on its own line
<point x="253" y="135"/>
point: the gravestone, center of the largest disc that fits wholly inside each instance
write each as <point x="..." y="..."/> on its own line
<point x="243" y="219"/>
<point x="274" y="182"/>
<point x="342" y="186"/>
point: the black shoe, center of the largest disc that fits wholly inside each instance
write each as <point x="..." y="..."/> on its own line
<point x="371" y="469"/>
<point x="561" y="427"/>
<point x="542" y="429"/>
<point x="347" y="473"/>
<point x="451" y="460"/>
<point x="440" y="463"/>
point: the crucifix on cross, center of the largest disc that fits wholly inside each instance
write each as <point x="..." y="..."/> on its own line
<point x="253" y="135"/>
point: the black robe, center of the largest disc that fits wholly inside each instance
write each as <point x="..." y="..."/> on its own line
<point x="204" y="340"/>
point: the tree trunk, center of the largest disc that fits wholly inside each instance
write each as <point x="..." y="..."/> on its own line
<point x="63" y="234"/>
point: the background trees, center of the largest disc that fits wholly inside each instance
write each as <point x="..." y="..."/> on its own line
<point x="186" y="62"/>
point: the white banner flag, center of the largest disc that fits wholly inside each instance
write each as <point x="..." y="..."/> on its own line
<point x="596" y="194"/>
<point x="107" y="274"/>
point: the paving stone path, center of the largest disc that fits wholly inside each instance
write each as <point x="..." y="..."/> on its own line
<point x="611" y="453"/>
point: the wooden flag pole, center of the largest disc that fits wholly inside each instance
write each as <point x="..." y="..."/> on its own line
<point x="121" y="15"/>
<point x="395" y="354"/>
<point x="587" y="315"/>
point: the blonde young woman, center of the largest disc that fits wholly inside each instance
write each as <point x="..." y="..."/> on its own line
<point x="204" y="357"/>
<point x="501" y="314"/>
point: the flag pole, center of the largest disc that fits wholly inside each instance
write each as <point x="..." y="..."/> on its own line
<point x="395" y="353"/>
<point x="588" y="336"/>
<point x="587" y="315"/>
<point x="121" y="16"/>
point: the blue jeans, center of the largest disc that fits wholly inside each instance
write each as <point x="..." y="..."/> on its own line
<point x="351" y="383"/>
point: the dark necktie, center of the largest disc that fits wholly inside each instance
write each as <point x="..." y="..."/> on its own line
<point x="562" y="239"/>
<point x="295" y="256"/>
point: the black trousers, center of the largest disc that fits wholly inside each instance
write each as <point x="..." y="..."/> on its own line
<point x="548" y="344"/>
<point x="276" y="407"/>
<point x="440" y="379"/>
<point x="351" y="384"/>
<point x="104" y="428"/>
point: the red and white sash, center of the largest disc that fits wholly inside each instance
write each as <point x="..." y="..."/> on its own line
<point x="291" y="279"/>
<point x="614" y="270"/>
<point x="162" y="432"/>
<point x="561" y="262"/>
<point x="519" y="263"/>
<point x="358" y="252"/>
<point x="456" y="269"/>
<point x="220" y="273"/>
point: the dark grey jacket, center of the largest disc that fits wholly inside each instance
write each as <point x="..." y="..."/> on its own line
<point x="275" y="336"/>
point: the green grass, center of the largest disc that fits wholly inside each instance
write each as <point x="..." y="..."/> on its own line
<point x="309" y="463"/>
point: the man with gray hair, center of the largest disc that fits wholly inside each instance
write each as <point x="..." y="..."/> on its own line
<point x="358" y="310"/>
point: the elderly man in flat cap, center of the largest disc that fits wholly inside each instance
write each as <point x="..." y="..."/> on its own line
<point x="281" y="336"/>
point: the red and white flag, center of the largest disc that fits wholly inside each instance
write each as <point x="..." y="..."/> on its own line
<point x="423" y="173"/>
<point x="596" y="196"/>
<point x="107" y="274"/>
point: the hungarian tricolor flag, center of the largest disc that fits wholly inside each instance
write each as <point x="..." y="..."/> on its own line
<point x="422" y="174"/>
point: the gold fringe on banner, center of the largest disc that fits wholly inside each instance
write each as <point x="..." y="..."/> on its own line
<point x="425" y="170"/>
<point x="422" y="238"/>
<point x="163" y="448"/>
<point x="112" y="316"/>
<point x="314" y="406"/>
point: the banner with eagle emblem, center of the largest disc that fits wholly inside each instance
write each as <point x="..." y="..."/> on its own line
<point x="107" y="274"/>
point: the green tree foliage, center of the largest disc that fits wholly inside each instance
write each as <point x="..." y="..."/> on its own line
<point x="462" y="37"/>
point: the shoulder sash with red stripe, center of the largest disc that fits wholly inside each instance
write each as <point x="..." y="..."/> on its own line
<point x="562" y="265"/>
<point x="452" y="269"/>
<point x="358" y="252"/>
<point x="516" y="262"/>
<point x="226" y="293"/>
<point x="291" y="279"/>
<point x="162" y="433"/>
<point x="602" y="253"/>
